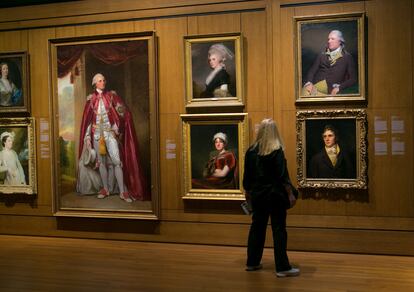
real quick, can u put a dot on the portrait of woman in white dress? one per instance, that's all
(11, 170)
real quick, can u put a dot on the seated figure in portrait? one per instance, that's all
(333, 71)
(220, 171)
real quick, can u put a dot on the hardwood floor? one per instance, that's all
(62, 264)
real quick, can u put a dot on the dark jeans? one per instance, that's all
(263, 207)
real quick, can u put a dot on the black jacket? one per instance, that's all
(322, 167)
(265, 174)
(222, 77)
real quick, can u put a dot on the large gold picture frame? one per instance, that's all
(128, 64)
(201, 156)
(14, 87)
(214, 70)
(17, 156)
(314, 166)
(334, 76)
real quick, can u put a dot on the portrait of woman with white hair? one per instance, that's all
(211, 68)
(218, 80)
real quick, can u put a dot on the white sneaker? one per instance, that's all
(293, 272)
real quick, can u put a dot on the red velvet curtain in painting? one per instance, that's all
(109, 53)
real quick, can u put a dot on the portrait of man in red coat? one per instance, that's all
(108, 148)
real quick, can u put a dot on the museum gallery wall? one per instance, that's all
(185, 94)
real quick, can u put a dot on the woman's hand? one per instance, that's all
(291, 197)
(221, 172)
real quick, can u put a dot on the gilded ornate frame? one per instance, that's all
(18, 63)
(309, 127)
(200, 129)
(25, 148)
(137, 80)
(311, 33)
(197, 69)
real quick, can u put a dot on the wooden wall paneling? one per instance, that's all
(52, 16)
(309, 239)
(301, 2)
(362, 222)
(400, 189)
(144, 25)
(319, 9)
(12, 41)
(254, 121)
(288, 132)
(285, 95)
(411, 132)
(171, 170)
(378, 160)
(171, 34)
(41, 105)
(93, 11)
(192, 25)
(65, 31)
(390, 54)
(349, 240)
(219, 23)
(104, 28)
(390, 175)
(257, 62)
(178, 215)
(22, 205)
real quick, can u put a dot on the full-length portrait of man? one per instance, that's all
(108, 157)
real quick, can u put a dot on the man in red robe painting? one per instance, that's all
(108, 157)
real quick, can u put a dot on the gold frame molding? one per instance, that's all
(202, 42)
(147, 209)
(317, 30)
(239, 120)
(345, 117)
(29, 125)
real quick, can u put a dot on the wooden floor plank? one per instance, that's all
(63, 264)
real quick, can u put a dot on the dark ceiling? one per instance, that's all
(17, 3)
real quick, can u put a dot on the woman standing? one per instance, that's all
(266, 180)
